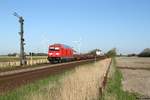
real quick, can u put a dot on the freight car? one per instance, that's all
(60, 53)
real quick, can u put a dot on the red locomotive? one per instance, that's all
(60, 53)
(63, 53)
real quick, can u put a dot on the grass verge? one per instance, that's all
(19, 93)
(113, 90)
(42, 86)
(22, 92)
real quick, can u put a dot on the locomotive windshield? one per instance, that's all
(54, 49)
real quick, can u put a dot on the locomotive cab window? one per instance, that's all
(54, 49)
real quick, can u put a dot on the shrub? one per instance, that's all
(145, 53)
(111, 53)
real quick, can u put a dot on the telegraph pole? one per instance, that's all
(22, 53)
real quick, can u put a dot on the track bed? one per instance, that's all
(16, 78)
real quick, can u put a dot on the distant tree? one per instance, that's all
(132, 54)
(120, 55)
(12, 54)
(111, 53)
(145, 53)
(37, 54)
(31, 53)
(41, 54)
(93, 52)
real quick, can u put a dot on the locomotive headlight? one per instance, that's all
(50, 53)
(57, 54)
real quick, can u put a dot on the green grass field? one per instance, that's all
(13, 58)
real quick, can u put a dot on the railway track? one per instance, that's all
(12, 79)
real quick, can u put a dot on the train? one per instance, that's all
(58, 53)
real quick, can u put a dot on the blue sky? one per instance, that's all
(104, 24)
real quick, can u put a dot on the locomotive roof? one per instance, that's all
(58, 44)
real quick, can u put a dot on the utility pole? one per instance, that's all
(22, 53)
